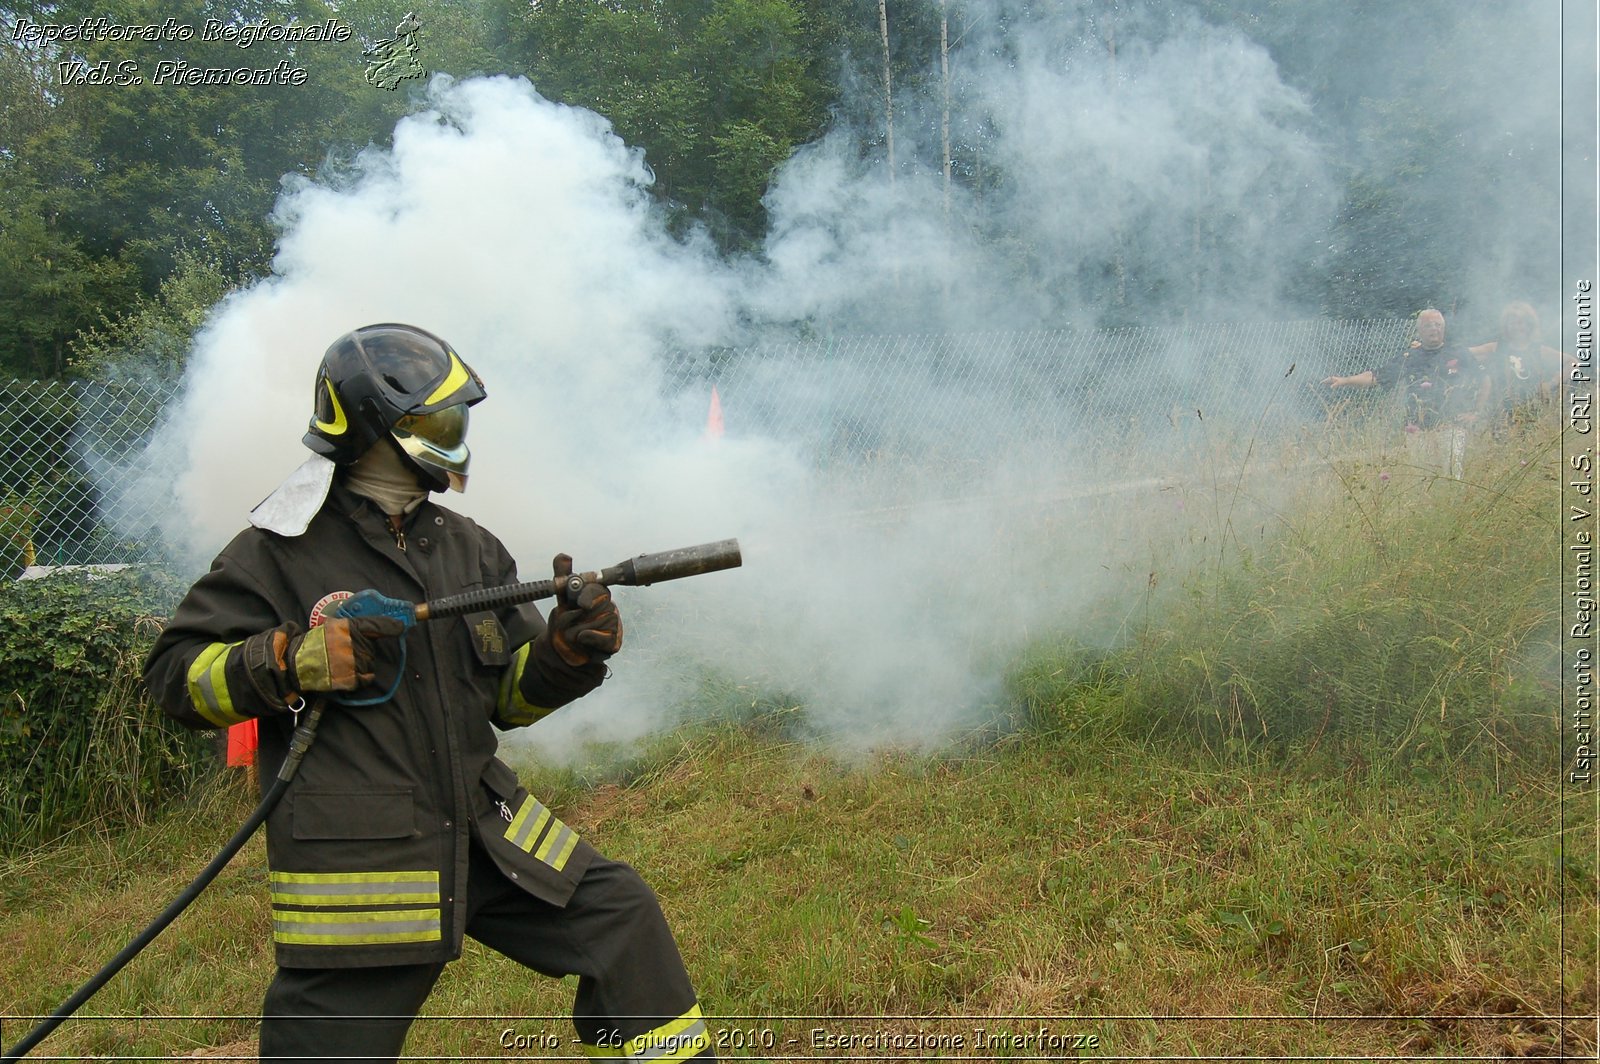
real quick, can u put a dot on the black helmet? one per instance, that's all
(401, 382)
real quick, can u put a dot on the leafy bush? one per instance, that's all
(79, 738)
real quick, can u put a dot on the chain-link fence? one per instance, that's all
(929, 398)
(961, 394)
(59, 442)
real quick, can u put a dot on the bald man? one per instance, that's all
(1442, 383)
(1441, 380)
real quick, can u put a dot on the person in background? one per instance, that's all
(1522, 376)
(403, 833)
(1440, 385)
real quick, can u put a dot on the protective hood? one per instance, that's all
(289, 509)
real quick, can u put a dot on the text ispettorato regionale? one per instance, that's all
(244, 34)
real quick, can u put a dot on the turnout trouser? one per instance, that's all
(634, 997)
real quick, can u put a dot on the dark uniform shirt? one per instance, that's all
(1523, 377)
(369, 847)
(1436, 385)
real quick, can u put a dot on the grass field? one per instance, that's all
(1041, 877)
(1312, 807)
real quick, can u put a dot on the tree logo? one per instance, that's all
(394, 59)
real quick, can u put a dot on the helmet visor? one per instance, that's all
(437, 441)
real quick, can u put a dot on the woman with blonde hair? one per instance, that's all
(1522, 376)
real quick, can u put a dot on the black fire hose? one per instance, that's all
(643, 570)
(304, 733)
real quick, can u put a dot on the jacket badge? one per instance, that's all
(319, 612)
(491, 639)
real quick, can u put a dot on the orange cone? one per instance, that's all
(714, 417)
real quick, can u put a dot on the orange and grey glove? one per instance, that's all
(585, 629)
(338, 655)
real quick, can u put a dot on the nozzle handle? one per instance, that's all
(641, 571)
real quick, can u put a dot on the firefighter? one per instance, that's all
(402, 831)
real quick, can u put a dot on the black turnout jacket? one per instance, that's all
(368, 849)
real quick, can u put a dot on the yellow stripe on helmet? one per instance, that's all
(339, 423)
(457, 376)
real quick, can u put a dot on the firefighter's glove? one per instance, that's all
(586, 629)
(338, 655)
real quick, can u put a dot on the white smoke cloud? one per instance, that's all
(888, 598)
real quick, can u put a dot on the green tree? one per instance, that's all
(174, 163)
(717, 92)
(50, 287)
(458, 39)
(107, 187)
(51, 283)
(154, 334)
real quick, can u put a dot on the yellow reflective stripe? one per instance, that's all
(456, 378)
(526, 825)
(514, 709)
(355, 888)
(680, 1039)
(524, 830)
(208, 686)
(339, 424)
(557, 845)
(355, 928)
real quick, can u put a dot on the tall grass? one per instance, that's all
(1391, 616)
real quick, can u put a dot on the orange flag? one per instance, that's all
(714, 417)
(242, 744)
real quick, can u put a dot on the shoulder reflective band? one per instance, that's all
(355, 888)
(208, 686)
(514, 709)
(523, 831)
(354, 928)
(681, 1039)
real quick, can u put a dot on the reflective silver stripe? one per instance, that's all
(557, 846)
(355, 928)
(514, 709)
(524, 830)
(527, 824)
(208, 686)
(355, 888)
